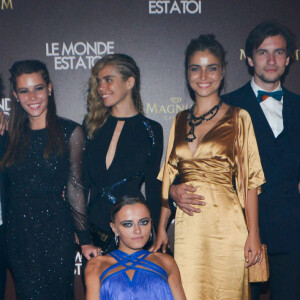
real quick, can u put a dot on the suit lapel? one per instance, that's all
(287, 111)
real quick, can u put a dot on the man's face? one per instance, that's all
(269, 61)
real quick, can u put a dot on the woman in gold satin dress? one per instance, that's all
(212, 247)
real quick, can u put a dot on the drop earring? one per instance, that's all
(150, 237)
(117, 240)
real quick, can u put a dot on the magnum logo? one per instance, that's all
(6, 4)
(243, 54)
(297, 54)
(168, 111)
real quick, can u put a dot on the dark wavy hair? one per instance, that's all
(267, 29)
(125, 200)
(202, 43)
(19, 124)
(97, 112)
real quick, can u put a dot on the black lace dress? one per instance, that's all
(40, 224)
(136, 161)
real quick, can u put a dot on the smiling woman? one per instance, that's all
(212, 243)
(124, 147)
(43, 156)
(131, 272)
(32, 93)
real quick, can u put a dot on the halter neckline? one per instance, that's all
(136, 261)
(134, 254)
(134, 277)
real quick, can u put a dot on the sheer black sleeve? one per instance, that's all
(75, 190)
(152, 184)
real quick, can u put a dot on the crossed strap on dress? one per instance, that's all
(136, 261)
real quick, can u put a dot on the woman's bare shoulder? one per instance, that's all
(164, 260)
(98, 264)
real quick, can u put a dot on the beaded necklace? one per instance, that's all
(196, 121)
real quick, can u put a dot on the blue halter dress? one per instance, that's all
(149, 279)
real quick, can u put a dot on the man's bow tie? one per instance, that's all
(263, 95)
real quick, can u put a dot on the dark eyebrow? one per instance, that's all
(108, 76)
(26, 88)
(146, 218)
(263, 49)
(212, 65)
(105, 77)
(126, 221)
(195, 65)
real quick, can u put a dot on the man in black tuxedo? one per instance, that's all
(275, 113)
(2, 233)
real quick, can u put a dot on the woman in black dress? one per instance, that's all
(44, 154)
(124, 147)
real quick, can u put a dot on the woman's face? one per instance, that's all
(112, 88)
(133, 226)
(205, 73)
(32, 93)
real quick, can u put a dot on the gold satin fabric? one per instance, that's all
(209, 246)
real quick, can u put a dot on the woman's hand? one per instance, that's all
(253, 245)
(162, 237)
(162, 241)
(90, 251)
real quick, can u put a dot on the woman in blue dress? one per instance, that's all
(131, 272)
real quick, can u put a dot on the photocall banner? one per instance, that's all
(70, 36)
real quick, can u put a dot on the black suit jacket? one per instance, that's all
(279, 202)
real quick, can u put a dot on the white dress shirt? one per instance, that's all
(272, 109)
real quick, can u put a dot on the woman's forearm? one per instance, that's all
(252, 211)
(165, 214)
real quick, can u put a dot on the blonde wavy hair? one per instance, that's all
(97, 112)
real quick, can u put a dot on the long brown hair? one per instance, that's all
(19, 124)
(202, 43)
(97, 112)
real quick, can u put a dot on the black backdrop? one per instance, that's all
(70, 35)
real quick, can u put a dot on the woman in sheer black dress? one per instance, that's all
(44, 154)
(124, 147)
